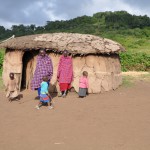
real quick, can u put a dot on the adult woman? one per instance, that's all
(65, 73)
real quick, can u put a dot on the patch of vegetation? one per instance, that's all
(145, 77)
(131, 79)
(1, 83)
(1, 60)
(127, 81)
(131, 31)
(135, 61)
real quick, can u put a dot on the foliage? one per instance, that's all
(1, 61)
(135, 61)
(98, 24)
(132, 31)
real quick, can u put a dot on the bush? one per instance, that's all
(135, 61)
(1, 62)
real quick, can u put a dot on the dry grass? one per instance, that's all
(1, 83)
(129, 78)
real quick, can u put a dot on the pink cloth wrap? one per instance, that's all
(65, 70)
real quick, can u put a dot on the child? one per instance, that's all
(12, 88)
(44, 95)
(83, 85)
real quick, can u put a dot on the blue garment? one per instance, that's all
(39, 89)
(44, 98)
(44, 88)
(44, 92)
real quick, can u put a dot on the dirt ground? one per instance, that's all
(115, 120)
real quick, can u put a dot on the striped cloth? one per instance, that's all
(65, 70)
(44, 67)
(44, 98)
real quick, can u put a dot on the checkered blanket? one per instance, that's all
(44, 67)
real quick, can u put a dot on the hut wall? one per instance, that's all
(12, 63)
(104, 72)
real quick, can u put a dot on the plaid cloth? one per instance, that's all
(44, 67)
(65, 70)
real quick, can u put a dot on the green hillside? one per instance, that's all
(132, 31)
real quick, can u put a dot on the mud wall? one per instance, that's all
(104, 71)
(12, 63)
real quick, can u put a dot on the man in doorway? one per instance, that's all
(44, 68)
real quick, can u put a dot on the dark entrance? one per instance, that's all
(27, 70)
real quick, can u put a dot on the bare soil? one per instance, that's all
(135, 73)
(115, 120)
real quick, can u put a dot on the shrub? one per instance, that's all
(135, 61)
(1, 62)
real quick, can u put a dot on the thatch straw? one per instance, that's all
(57, 42)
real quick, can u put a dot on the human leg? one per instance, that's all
(39, 105)
(50, 105)
(64, 87)
(64, 94)
(60, 94)
(39, 91)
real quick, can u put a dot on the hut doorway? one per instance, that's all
(27, 70)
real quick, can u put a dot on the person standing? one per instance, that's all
(44, 68)
(65, 73)
(83, 85)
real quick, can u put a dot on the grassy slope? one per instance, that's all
(137, 44)
(2, 52)
(136, 41)
(129, 80)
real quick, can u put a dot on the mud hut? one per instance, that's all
(98, 56)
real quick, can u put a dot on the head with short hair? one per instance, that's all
(11, 75)
(45, 78)
(85, 73)
(65, 53)
(42, 52)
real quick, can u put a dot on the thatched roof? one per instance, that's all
(73, 42)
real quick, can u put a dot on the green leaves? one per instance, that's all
(133, 32)
(1, 62)
(135, 61)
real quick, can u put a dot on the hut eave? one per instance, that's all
(57, 42)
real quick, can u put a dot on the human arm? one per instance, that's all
(72, 76)
(50, 68)
(59, 68)
(17, 85)
(49, 95)
(87, 83)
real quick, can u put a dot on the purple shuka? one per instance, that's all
(44, 67)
